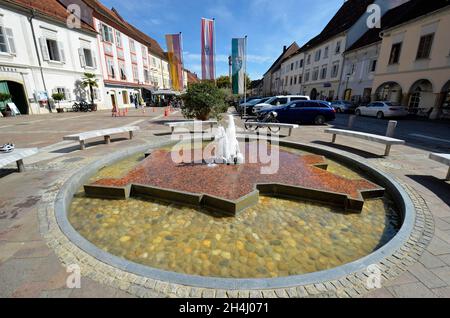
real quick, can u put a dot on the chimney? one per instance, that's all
(284, 49)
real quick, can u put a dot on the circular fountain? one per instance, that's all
(246, 225)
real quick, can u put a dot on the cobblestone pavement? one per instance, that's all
(33, 251)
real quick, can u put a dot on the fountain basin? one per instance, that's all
(402, 202)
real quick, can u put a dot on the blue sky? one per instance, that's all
(269, 24)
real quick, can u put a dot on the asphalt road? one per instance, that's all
(425, 134)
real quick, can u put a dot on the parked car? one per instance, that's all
(302, 112)
(278, 101)
(343, 106)
(249, 105)
(382, 110)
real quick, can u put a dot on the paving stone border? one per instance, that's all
(391, 265)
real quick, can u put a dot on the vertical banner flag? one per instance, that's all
(238, 65)
(208, 63)
(175, 53)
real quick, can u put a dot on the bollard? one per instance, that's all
(391, 128)
(351, 121)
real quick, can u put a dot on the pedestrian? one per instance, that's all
(136, 101)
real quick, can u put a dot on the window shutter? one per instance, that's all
(10, 36)
(67, 94)
(61, 52)
(82, 57)
(44, 49)
(94, 61)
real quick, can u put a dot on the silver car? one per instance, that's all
(382, 110)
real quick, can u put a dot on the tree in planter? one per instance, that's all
(89, 80)
(4, 97)
(203, 101)
(58, 97)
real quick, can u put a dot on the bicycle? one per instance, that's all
(81, 107)
(269, 118)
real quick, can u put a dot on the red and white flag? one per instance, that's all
(208, 50)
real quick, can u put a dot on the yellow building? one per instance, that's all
(414, 62)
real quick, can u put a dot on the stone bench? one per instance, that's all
(17, 156)
(106, 133)
(258, 125)
(191, 124)
(444, 159)
(388, 141)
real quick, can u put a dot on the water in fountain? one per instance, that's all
(227, 145)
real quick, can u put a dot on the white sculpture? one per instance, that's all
(227, 145)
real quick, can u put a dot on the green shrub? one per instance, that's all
(203, 101)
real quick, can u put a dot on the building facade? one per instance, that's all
(40, 56)
(414, 62)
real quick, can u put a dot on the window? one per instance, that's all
(135, 73)
(292, 66)
(352, 69)
(110, 67)
(7, 44)
(107, 33)
(426, 42)
(295, 80)
(307, 76)
(325, 55)
(323, 73)
(291, 81)
(318, 54)
(87, 58)
(123, 74)
(315, 75)
(338, 47)
(118, 39)
(301, 63)
(373, 66)
(296, 65)
(299, 79)
(395, 53)
(308, 59)
(335, 70)
(64, 91)
(132, 46)
(146, 75)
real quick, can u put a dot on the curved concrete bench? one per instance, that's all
(191, 124)
(388, 141)
(272, 125)
(107, 133)
(17, 156)
(442, 158)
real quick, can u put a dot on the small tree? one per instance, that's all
(203, 101)
(3, 98)
(58, 97)
(89, 80)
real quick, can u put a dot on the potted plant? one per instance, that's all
(4, 97)
(90, 80)
(203, 101)
(58, 97)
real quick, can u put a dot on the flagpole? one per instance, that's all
(182, 64)
(245, 76)
(214, 57)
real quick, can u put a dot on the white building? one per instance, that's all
(40, 55)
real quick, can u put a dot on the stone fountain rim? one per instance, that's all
(400, 196)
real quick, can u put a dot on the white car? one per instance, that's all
(382, 110)
(278, 101)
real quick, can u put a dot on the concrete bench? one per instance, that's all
(388, 141)
(444, 159)
(107, 133)
(17, 156)
(258, 125)
(191, 124)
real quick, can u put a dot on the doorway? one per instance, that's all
(18, 95)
